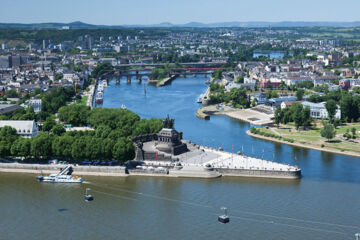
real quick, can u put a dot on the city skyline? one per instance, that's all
(159, 11)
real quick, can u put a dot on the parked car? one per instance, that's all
(85, 162)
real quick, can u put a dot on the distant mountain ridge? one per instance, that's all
(252, 24)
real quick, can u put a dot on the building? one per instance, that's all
(25, 129)
(112, 61)
(260, 97)
(4, 62)
(286, 104)
(15, 61)
(318, 110)
(344, 84)
(8, 108)
(35, 104)
(275, 102)
(2, 91)
(4, 46)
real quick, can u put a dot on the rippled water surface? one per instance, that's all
(322, 205)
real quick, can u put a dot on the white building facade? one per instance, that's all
(318, 110)
(25, 129)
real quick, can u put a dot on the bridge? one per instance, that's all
(191, 64)
(139, 73)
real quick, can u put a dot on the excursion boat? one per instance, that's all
(104, 83)
(123, 107)
(100, 87)
(200, 98)
(99, 98)
(64, 176)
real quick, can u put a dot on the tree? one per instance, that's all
(296, 109)
(58, 129)
(78, 149)
(29, 115)
(123, 150)
(353, 130)
(331, 108)
(240, 79)
(8, 136)
(300, 94)
(21, 147)
(74, 114)
(306, 115)
(41, 146)
(101, 69)
(48, 124)
(62, 146)
(271, 94)
(328, 132)
(277, 116)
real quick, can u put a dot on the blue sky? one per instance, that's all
(117, 12)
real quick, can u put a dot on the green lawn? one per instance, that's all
(313, 137)
(83, 100)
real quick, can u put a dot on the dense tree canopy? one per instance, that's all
(109, 141)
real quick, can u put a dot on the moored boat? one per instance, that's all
(99, 98)
(64, 176)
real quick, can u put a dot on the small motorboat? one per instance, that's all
(64, 176)
(224, 218)
(88, 197)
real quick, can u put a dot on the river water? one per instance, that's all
(322, 205)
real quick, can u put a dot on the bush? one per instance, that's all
(322, 145)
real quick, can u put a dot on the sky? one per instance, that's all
(126, 12)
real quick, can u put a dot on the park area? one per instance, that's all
(344, 142)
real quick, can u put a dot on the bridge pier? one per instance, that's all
(138, 77)
(118, 79)
(205, 75)
(128, 79)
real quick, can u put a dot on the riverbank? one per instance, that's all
(90, 95)
(310, 145)
(113, 171)
(247, 115)
(109, 171)
(165, 81)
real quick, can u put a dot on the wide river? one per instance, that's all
(322, 205)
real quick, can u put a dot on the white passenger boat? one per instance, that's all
(104, 83)
(201, 97)
(64, 176)
(99, 98)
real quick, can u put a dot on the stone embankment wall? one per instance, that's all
(259, 173)
(55, 168)
(145, 138)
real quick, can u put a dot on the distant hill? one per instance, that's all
(81, 25)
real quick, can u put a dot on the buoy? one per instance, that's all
(88, 197)
(224, 218)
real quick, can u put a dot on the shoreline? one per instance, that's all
(353, 154)
(245, 115)
(194, 171)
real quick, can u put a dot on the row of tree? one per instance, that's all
(236, 96)
(109, 141)
(295, 113)
(72, 148)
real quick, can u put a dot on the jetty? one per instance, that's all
(166, 81)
